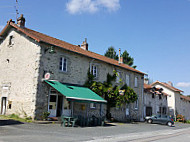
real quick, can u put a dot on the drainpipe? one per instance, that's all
(142, 99)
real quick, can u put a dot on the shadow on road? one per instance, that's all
(9, 122)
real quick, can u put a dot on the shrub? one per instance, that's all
(180, 118)
(45, 115)
(188, 121)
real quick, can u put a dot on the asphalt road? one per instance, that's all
(30, 132)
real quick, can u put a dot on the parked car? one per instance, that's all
(162, 119)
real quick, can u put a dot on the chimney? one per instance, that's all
(119, 55)
(170, 83)
(84, 44)
(21, 21)
(121, 60)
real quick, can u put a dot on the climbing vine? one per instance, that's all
(110, 92)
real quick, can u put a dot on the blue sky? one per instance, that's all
(155, 32)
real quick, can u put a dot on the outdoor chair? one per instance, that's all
(64, 121)
(73, 121)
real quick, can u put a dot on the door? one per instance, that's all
(3, 105)
(148, 111)
(53, 105)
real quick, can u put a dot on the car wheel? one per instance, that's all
(149, 121)
(169, 124)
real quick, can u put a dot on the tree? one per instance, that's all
(128, 97)
(111, 53)
(127, 59)
(110, 92)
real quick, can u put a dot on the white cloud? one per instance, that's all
(183, 84)
(91, 6)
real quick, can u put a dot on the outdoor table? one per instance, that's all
(69, 120)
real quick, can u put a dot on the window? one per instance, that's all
(63, 64)
(127, 79)
(92, 105)
(136, 81)
(10, 40)
(94, 70)
(164, 110)
(152, 95)
(118, 77)
(160, 96)
(136, 104)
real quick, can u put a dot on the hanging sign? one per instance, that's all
(47, 76)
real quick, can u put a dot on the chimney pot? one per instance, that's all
(119, 55)
(170, 83)
(21, 21)
(84, 44)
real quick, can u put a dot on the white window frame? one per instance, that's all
(94, 70)
(127, 79)
(136, 81)
(137, 104)
(92, 105)
(62, 62)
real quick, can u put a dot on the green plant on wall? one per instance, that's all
(128, 97)
(110, 92)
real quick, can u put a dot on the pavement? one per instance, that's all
(30, 132)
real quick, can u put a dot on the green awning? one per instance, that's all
(77, 93)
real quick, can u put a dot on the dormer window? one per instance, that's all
(63, 64)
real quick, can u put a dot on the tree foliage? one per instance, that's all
(129, 96)
(127, 59)
(110, 92)
(111, 53)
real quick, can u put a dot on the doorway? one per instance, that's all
(52, 108)
(3, 105)
(148, 111)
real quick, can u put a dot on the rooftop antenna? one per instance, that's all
(16, 8)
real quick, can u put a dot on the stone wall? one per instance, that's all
(155, 102)
(77, 68)
(19, 66)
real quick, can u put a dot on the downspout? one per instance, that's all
(142, 115)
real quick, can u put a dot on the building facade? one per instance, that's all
(155, 101)
(26, 56)
(177, 103)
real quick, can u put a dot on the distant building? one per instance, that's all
(155, 101)
(177, 103)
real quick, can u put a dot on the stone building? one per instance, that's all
(177, 103)
(155, 101)
(26, 56)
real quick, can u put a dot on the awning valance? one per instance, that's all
(76, 93)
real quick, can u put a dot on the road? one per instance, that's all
(30, 132)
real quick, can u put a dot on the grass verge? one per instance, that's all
(16, 117)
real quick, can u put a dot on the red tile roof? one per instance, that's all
(39, 37)
(167, 85)
(185, 97)
(146, 86)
